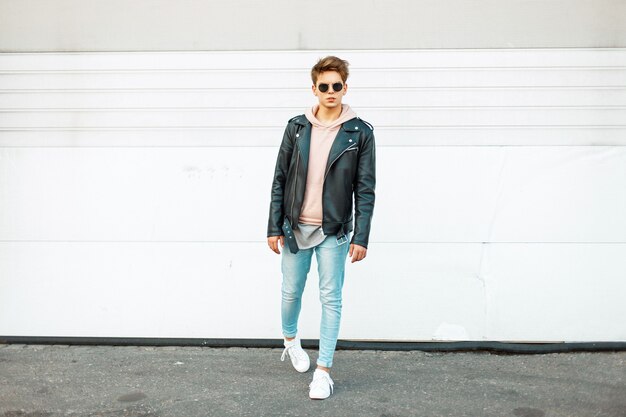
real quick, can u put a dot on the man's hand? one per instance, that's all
(272, 241)
(357, 252)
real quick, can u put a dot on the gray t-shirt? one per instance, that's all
(308, 235)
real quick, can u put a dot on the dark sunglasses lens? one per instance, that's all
(337, 86)
(323, 87)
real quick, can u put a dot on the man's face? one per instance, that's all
(330, 98)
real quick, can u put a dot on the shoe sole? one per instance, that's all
(318, 398)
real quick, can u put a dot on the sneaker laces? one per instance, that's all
(298, 353)
(323, 379)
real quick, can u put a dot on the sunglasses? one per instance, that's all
(324, 87)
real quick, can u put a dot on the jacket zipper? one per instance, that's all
(295, 181)
(333, 161)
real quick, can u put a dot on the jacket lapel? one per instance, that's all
(346, 137)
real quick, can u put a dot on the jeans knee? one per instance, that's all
(291, 294)
(330, 299)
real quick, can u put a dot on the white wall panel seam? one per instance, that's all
(377, 242)
(305, 70)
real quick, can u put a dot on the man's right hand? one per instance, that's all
(272, 241)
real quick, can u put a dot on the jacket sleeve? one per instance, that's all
(276, 215)
(364, 186)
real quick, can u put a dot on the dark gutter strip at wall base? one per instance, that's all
(493, 346)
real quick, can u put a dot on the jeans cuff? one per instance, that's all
(324, 364)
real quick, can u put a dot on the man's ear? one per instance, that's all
(345, 88)
(314, 89)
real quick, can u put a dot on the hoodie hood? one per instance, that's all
(346, 114)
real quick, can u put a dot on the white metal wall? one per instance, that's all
(134, 191)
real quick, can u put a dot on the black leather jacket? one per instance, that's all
(351, 168)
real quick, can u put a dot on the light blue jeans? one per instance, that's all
(331, 257)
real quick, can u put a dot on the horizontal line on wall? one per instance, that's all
(275, 146)
(518, 347)
(235, 242)
(296, 108)
(310, 54)
(275, 127)
(305, 70)
(272, 89)
(313, 51)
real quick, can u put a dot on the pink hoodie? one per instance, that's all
(322, 138)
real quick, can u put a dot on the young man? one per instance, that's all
(326, 157)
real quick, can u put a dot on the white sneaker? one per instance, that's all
(299, 358)
(322, 385)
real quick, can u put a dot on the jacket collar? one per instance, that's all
(351, 125)
(301, 120)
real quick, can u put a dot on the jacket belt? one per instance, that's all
(289, 237)
(342, 234)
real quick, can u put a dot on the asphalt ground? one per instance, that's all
(78, 380)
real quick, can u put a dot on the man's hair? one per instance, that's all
(330, 63)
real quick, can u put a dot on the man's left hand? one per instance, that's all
(357, 252)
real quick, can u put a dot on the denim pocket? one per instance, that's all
(341, 240)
